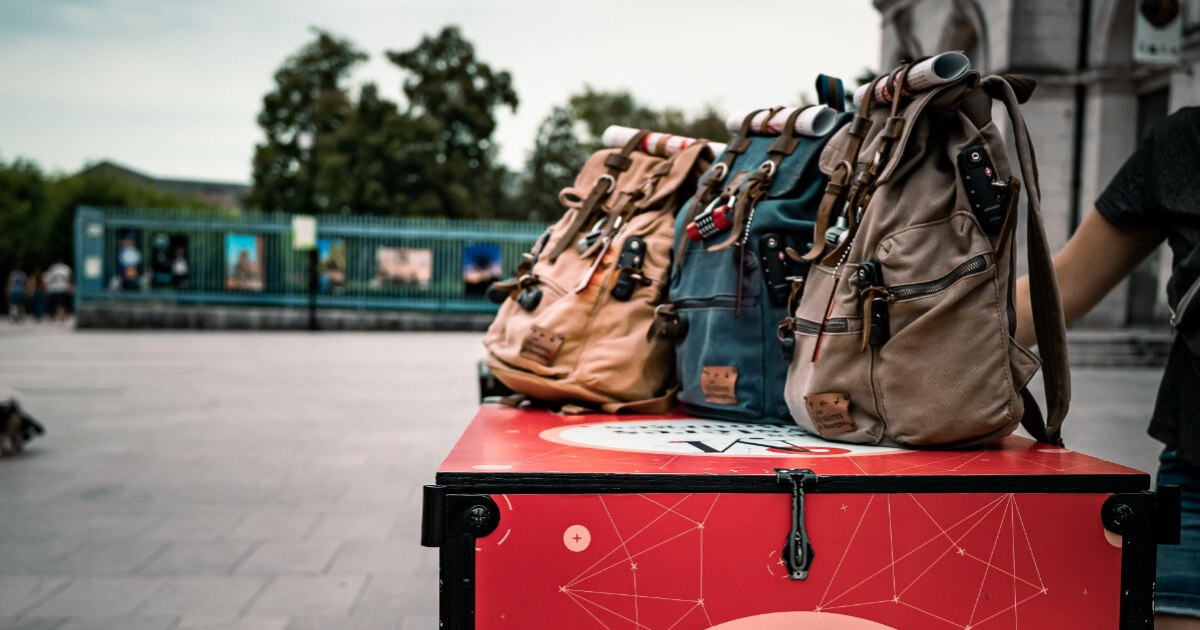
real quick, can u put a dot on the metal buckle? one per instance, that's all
(612, 182)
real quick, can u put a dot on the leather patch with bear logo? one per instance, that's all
(719, 384)
(830, 413)
(541, 345)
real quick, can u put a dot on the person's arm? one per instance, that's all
(1097, 257)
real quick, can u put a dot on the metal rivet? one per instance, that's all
(1121, 514)
(478, 515)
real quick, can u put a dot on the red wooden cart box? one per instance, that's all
(672, 523)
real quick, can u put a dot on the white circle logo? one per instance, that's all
(705, 437)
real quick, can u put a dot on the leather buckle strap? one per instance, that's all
(604, 186)
(707, 188)
(757, 184)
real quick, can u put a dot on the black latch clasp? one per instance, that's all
(797, 550)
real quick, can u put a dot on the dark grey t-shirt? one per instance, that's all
(1159, 186)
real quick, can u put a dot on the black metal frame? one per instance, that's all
(459, 509)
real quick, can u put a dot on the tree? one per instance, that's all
(297, 168)
(556, 157)
(597, 110)
(452, 98)
(37, 211)
(709, 123)
(572, 132)
(24, 214)
(362, 169)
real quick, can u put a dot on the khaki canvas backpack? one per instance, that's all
(903, 326)
(576, 327)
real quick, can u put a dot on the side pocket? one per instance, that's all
(507, 337)
(945, 376)
(840, 375)
(719, 358)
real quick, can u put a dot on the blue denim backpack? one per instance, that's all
(730, 288)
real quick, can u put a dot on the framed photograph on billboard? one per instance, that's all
(243, 262)
(129, 260)
(403, 267)
(481, 267)
(169, 265)
(331, 264)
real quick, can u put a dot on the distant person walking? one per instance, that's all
(58, 285)
(16, 294)
(35, 295)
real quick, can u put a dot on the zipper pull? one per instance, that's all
(875, 297)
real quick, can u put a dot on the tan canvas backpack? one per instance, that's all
(903, 326)
(576, 326)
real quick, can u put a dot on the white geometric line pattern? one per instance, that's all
(669, 526)
(987, 554)
(956, 549)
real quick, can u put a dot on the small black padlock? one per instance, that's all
(633, 256)
(529, 298)
(776, 268)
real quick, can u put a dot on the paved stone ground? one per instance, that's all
(272, 481)
(222, 480)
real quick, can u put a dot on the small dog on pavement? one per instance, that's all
(16, 427)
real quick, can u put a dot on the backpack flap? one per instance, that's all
(676, 177)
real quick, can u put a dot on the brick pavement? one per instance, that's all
(250, 481)
(272, 481)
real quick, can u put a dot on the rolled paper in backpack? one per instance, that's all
(816, 121)
(655, 143)
(935, 71)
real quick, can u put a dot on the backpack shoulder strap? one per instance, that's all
(1048, 321)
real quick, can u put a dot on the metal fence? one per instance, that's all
(363, 262)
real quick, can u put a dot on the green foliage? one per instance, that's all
(557, 155)
(572, 132)
(327, 151)
(24, 214)
(37, 211)
(452, 100)
(298, 167)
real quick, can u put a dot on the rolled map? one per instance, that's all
(655, 143)
(814, 122)
(936, 70)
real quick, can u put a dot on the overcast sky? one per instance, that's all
(172, 88)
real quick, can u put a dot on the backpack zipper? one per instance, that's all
(832, 325)
(716, 302)
(976, 265)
